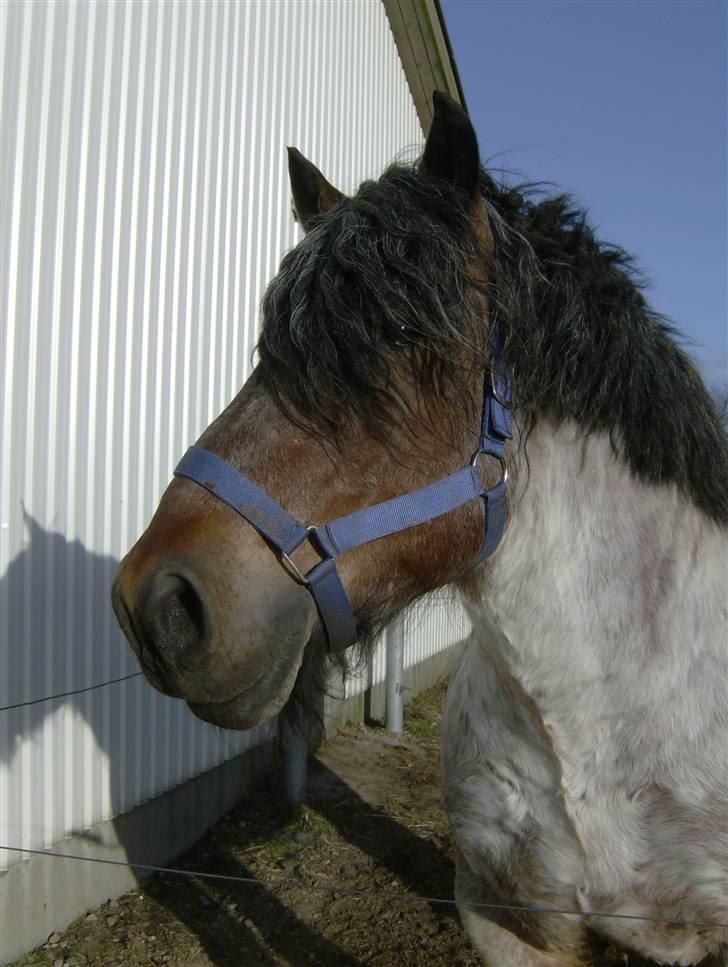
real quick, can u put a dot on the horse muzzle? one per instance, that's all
(226, 634)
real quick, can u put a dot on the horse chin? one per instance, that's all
(257, 703)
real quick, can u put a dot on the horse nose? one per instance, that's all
(173, 620)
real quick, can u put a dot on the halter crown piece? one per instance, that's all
(334, 538)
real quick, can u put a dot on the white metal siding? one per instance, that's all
(144, 206)
(433, 625)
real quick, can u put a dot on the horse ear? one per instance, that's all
(451, 150)
(312, 193)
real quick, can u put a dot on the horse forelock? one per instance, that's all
(377, 297)
(377, 290)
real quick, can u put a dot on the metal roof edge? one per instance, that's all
(421, 36)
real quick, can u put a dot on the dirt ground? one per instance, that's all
(374, 822)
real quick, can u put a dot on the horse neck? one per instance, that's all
(600, 579)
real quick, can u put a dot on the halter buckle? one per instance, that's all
(289, 564)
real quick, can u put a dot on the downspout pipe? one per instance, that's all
(394, 714)
(294, 739)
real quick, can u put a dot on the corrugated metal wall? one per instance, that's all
(432, 626)
(144, 205)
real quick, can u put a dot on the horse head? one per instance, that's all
(372, 357)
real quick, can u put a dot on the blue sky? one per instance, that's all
(622, 103)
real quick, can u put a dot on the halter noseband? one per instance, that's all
(337, 536)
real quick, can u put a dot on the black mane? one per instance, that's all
(380, 282)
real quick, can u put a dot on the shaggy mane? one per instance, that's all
(381, 282)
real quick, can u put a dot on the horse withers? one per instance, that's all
(584, 736)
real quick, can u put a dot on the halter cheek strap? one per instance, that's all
(334, 538)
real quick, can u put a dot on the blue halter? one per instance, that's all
(337, 536)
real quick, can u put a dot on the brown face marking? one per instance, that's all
(317, 482)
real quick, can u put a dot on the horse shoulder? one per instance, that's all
(502, 787)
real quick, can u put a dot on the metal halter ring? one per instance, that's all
(291, 567)
(501, 460)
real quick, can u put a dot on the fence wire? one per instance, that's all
(340, 890)
(75, 691)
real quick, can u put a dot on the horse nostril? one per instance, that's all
(174, 618)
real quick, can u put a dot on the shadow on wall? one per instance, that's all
(61, 638)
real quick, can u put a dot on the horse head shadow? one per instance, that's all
(60, 639)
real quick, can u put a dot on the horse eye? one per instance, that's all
(402, 337)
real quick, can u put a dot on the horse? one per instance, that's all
(585, 529)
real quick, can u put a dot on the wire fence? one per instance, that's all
(340, 890)
(74, 691)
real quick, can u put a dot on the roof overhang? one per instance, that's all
(424, 48)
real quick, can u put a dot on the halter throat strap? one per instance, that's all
(285, 533)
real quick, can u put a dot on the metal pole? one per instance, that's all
(294, 737)
(395, 675)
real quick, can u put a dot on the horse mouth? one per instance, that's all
(232, 714)
(258, 702)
